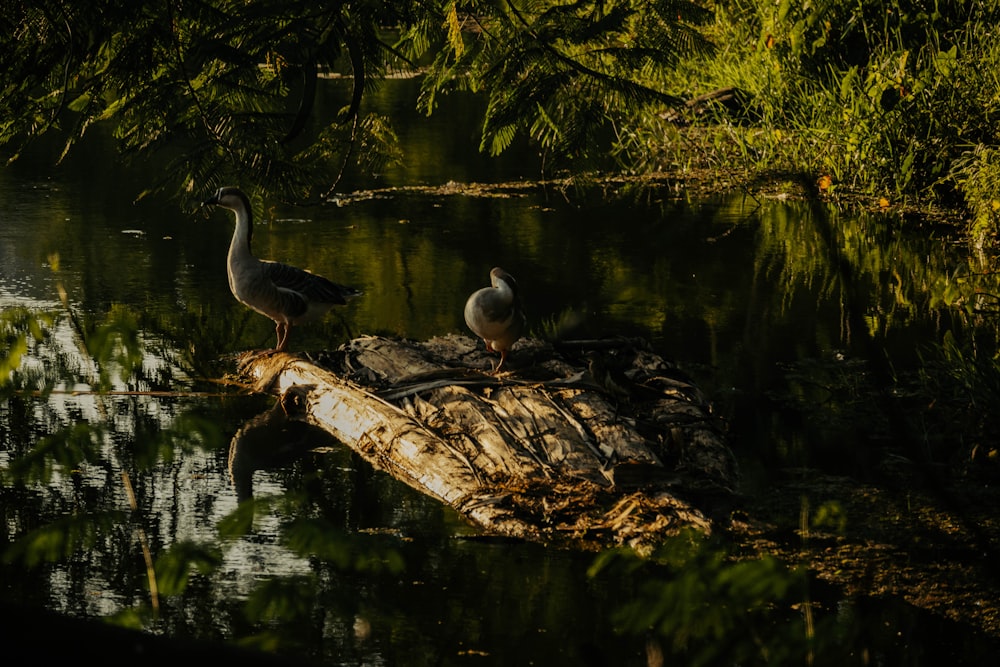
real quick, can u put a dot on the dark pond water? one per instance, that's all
(340, 563)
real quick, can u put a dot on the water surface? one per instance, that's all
(342, 563)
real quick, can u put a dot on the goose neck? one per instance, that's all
(243, 234)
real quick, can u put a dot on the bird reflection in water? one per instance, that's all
(271, 440)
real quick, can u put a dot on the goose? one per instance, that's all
(494, 314)
(286, 294)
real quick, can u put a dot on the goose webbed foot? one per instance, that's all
(499, 366)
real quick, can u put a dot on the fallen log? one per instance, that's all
(595, 442)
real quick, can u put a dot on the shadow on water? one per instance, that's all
(120, 435)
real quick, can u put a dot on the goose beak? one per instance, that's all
(211, 201)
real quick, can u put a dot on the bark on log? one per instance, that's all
(598, 442)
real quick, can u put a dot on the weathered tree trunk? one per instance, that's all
(600, 442)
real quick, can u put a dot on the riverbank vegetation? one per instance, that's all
(893, 99)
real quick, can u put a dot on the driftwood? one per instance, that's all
(598, 442)
(734, 102)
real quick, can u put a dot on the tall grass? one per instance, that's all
(896, 99)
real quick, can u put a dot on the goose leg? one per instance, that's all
(281, 329)
(503, 358)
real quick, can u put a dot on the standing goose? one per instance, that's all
(494, 314)
(286, 294)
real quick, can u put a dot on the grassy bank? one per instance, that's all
(896, 100)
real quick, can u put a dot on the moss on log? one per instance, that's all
(593, 442)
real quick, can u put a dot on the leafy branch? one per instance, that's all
(562, 75)
(227, 91)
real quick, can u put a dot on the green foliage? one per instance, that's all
(61, 538)
(830, 516)
(285, 603)
(64, 452)
(947, 402)
(18, 328)
(187, 432)
(70, 470)
(114, 344)
(285, 599)
(709, 606)
(318, 538)
(955, 393)
(224, 91)
(885, 98)
(239, 522)
(977, 173)
(563, 74)
(174, 566)
(974, 373)
(889, 98)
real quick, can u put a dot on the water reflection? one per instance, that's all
(256, 536)
(272, 439)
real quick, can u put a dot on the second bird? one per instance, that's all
(286, 294)
(494, 314)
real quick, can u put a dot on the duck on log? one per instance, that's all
(597, 443)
